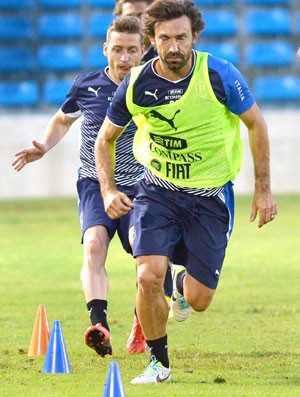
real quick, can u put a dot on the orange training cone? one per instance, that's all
(40, 335)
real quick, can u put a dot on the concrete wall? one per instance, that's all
(55, 175)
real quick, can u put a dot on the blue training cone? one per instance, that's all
(57, 360)
(114, 385)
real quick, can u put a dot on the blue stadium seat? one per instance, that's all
(98, 24)
(60, 57)
(268, 22)
(55, 4)
(228, 51)
(102, 3)
(219, 23)
(15, 27)
(16, 59)
(271, 54)
(267, 2)
(213, 3)
(298, 22)
(277, 89)
(54, 91)
(16, 4)
(21, 93)
(96, 58)
(60, 26)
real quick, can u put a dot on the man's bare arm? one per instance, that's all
(56, 129)
(263, 202)
(116, 203)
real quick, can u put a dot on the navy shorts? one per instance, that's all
(191, 230)
(91, 212)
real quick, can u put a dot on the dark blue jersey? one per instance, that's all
(227, 83)
(150, 53)
(90, 95)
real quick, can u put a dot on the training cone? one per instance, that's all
(40, 335)
(57, 360)
(114, 385)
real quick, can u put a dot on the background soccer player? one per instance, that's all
(136, 8)
(89, 96)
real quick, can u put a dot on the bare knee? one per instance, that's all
(148, 281)
(95, 247)
(150, 275)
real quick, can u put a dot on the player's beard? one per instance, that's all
(181, 60)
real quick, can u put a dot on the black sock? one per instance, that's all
(159, 349)
(179, 281)
(97, 309)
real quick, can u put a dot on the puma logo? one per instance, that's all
(152, 93)
(91, 89)
(159, 116)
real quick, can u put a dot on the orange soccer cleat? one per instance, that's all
(136, 342)
(97, 337)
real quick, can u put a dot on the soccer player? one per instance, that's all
(89, 96)
(187, 105)
(136, 8)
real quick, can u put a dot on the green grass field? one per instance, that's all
(246, 344)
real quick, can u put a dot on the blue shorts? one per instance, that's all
(191, 230)
(91, 212)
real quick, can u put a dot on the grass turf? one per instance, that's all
(245, 344)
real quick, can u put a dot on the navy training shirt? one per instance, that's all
(90, 96)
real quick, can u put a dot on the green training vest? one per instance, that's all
(193, 142)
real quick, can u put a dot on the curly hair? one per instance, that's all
(165, 10)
